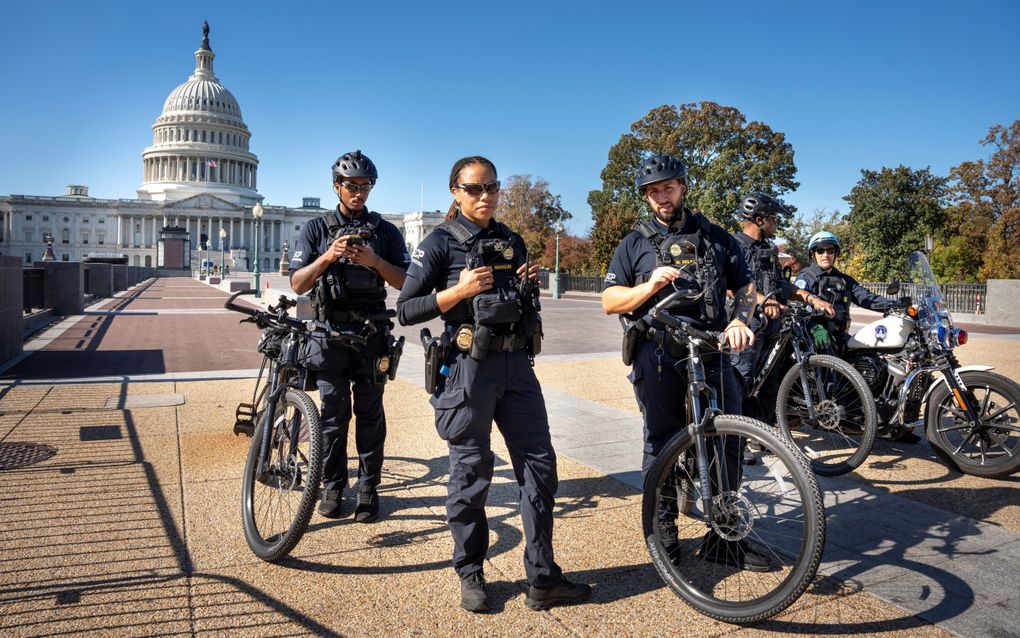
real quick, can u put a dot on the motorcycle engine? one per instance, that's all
(873, 369)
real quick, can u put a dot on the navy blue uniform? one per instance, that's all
(763, 261)
(337, 369)
(839, 289)
(500, 387)
(662, 395)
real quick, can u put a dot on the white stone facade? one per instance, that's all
(198, 174)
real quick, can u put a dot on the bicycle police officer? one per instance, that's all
(678, 249)
(469, 271)
(347, 256)
(759, 214)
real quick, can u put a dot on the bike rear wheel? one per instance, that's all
(991, 451)
(776, 510)
(842, 434)
(277, 502)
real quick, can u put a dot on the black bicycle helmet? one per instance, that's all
(354, 164)
(759, 205)
(658, 168)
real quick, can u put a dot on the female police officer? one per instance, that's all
(474, 264)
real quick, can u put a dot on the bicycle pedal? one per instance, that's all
(245, 427)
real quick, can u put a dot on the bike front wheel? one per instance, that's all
(281, 486)
(991, 450)
(772, 510)
(842, 432)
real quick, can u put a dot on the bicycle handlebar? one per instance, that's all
(659, 313)
(280, 317)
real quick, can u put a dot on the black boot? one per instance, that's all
(331, 504)
(562, 593)
(739, 554)
(472, 592)
(367, 509)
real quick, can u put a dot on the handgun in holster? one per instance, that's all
(633, 332)
(435, 357)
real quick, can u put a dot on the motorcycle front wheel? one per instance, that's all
(991, 450)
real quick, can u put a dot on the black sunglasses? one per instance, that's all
(476, 190)
(351, 187)
(827, 250)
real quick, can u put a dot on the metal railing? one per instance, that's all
(572, 283)
(33, 290)
(963, 298)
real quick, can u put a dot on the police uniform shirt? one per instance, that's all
(387, 241)
(809, 279)
(635, 259)
(436, 264)
(750, 247)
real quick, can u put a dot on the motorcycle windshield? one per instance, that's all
(924, 289)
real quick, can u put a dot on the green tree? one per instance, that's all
(726, 156)
(891, 211)
(983, 229)
(530, 210)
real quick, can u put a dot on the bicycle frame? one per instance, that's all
(792, 332)
(285, 364)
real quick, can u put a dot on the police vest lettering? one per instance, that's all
(345, 285)
(502, 304)
(694, 256)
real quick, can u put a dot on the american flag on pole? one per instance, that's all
(211, 163)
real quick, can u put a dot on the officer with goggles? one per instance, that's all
(759, 214)
(473, 272)
(345, 258)
(678, 249)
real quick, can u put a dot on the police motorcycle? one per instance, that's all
(971, 416)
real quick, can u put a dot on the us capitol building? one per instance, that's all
(199, 174)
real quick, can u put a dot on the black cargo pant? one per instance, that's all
(501, 387)
(342, 375)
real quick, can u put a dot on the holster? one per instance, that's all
(633, 332)
(535, 343)
(434, 359)
(396, 351)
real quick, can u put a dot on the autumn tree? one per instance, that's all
(797, 233)
(530, 210)
(891, 211)
(980, 238)
(726, 157)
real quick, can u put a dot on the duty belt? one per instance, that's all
(353, 316)
(507, 343)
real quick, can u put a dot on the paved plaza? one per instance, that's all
(120, 502)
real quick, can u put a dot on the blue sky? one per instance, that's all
(541, 88)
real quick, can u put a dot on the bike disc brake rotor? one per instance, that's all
(733, 517)
(828, 414)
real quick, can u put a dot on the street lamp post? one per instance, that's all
(223, 237)
(285, 260)
(558, 227)
(257, 212)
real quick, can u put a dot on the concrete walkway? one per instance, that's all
(119, 513)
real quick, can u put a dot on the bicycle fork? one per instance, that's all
(700, 417)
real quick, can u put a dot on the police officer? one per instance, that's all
(680, 249)
(823, 279)
(468, 272)
(759, 214)
(345, 258)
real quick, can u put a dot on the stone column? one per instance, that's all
(64, 283)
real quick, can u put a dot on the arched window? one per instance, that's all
(65, 236)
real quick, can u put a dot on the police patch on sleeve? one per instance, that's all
(416, 257)
(610, 278)
(800, 283)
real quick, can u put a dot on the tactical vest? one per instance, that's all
(763, 262)
(347, 286)
(833, 288)
(502, 304)
(694, 255)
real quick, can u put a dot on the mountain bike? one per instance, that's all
(703, 509)
(823, 405)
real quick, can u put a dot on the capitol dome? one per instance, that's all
(200, 141)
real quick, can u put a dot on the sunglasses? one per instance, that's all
(828, 250)
(351, 187)
(476, 190)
